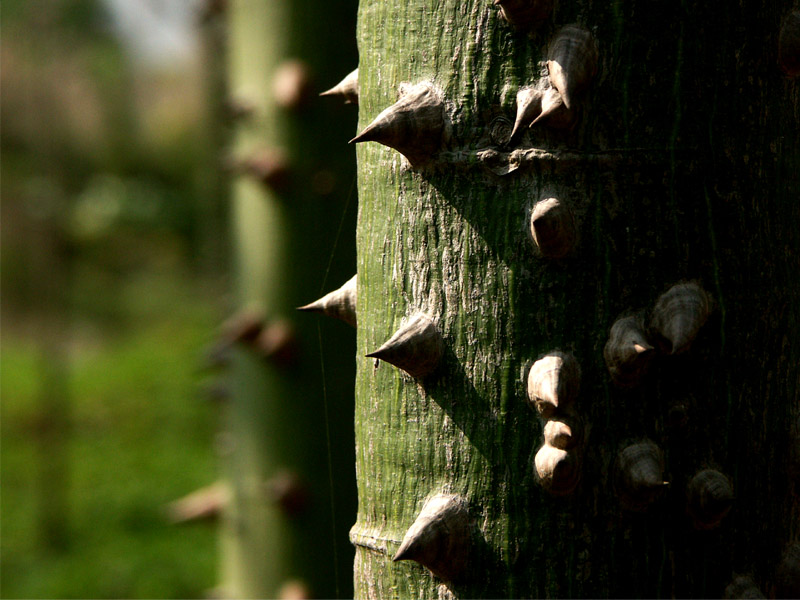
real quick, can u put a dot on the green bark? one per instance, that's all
(287, 252)
(683, 166)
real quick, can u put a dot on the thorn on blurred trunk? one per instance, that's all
(291, 85)
(288, 492)
(277, 342)
(269, 166)
(205, 504)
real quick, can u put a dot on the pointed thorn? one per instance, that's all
(554, 111)
(414, 125)
(638, 475)
(519, 126)
(553, 382)
(541, 117)
(278, 343)
(347, 88)
(514, 132)
(242, 327)
(439, 538)
(293, 589)
(402, 553)
(628, 352)
(291, 84)
(204, 504)
(546, 112)
(364, 136)
(339, 304)
(558, 471)
(289, 492)
(572, 62)
(417, 347)
(270, 166)
(529, 104)
(678, 315)
(377, 131)
(553, 228)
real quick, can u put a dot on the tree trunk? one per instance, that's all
(676, 164)
(288, 480)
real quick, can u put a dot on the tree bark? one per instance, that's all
(683, 166)
(292, 488)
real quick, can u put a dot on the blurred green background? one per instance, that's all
(113, 282)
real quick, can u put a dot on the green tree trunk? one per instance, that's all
(681, 166)
(290, 199)
(211, 182)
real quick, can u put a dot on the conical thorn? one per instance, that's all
(439, 538)
(554, 111)
(417, 347)
(414, 125)
(339, 304)
(347, 88)
(529, 106)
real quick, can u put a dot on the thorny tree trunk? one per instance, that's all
(289, 201)
(683, 166)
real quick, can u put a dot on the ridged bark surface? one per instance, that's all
(287, 253)
(683, 166)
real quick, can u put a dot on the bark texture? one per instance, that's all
(289, 201)
(683, 166)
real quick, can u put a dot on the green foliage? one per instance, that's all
(140, 438)
(100, 215)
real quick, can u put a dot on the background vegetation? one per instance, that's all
(113, 270)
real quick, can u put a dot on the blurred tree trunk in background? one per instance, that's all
(211, 183)
(292, 182)
(682, 165)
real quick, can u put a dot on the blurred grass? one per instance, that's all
(139, 437)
